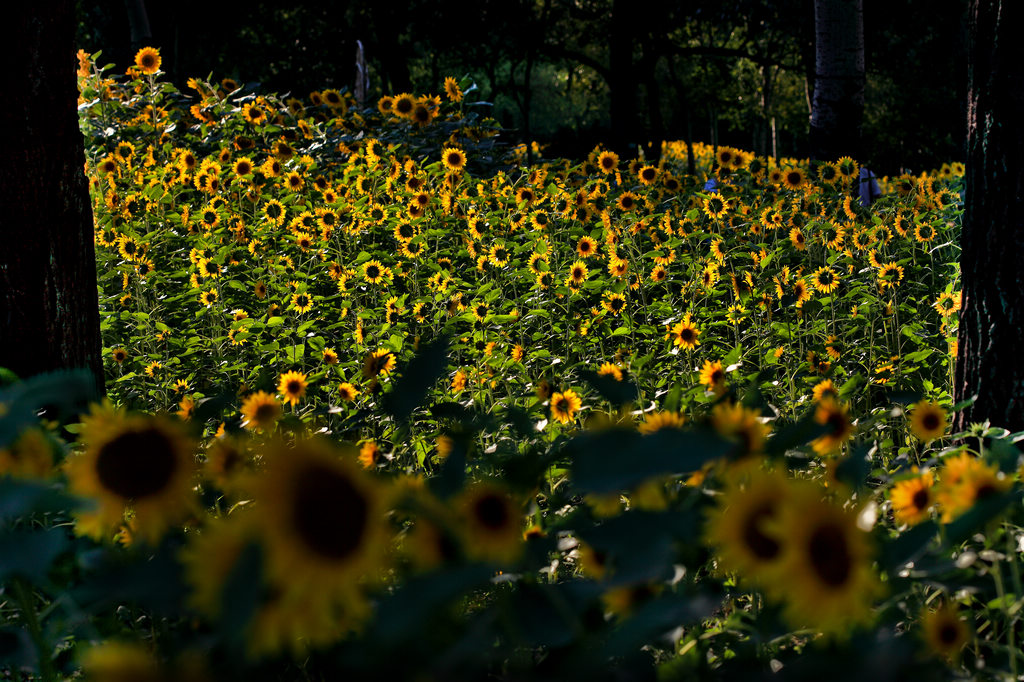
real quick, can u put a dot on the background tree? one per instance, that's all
(990, 363)
(837, 112)
(49, 310)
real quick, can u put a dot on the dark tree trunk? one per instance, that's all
(621, 78)
(837, 110)
(49, 312)
(138, 23)
(990, 363)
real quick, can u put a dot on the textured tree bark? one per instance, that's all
(990, 361)
(49, 310)
(837, 110)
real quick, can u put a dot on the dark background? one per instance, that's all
(561, 72)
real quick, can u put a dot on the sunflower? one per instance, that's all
(793, 178)
(208, 298)
(947, 303)
(132, 462)
(656, 421)
(147, 60)
(797, 238)
(375, 272)
(302, 302)
(741, 424)
(890, 275)
(292, 386)
(927, 420)
(825, 280)
(944, 632)
(614, 303)
(627, 201)
(586, 247)
(801, 292)
(966, 481)
(715, 206)
(348, 392)
(712, 375)
(823, 574)
(577, 274)
(454, 159)
(452, 89)
(684, 334)
(836, 418)
(565, 405)
(648, 175)
(491, 523)
(380, 361)
(608, 162)
(825, 389)
(912, 498)
(609, 369)
(260, 411)
(740, 527)
(260, 289)
(119, 355)
(115, 661)
(322, 521)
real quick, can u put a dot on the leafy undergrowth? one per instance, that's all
(386, 399)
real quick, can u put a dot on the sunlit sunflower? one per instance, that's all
(347, 392)
(565, 405)
(825, 389)
(648, 175)
(577, 273)
(912, 498)
(132, 462)
(292, 387)
(825, 280)
(836, 418)
(380, 361)
(947, 303)
(586, 247)
(302, 302)
(890, 275)
(491, 523)
(715, 206)
(627, 201)
(374, 272)
(614, 303)
(793, 178)
(797, 238)
(966, 481)
(684, 334)
(454, 159)
(609, 369)
(260, 411)
(608, 162)
(147, 60)
(712, 375)
(824, 575)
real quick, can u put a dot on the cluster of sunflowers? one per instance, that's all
(428, 400)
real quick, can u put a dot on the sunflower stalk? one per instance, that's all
(26, 604)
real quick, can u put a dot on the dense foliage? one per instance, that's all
(383, 398)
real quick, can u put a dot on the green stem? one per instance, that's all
(26, 603)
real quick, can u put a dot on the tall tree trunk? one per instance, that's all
(837, 111)
(621, 79)
(989, 362)
(49, 312)
(138, 23)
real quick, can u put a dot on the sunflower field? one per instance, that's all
(390, 398)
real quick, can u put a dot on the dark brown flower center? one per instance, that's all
(137, 464)
(763, 546)
(830, 555)
(492, 512)
(329, 513)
